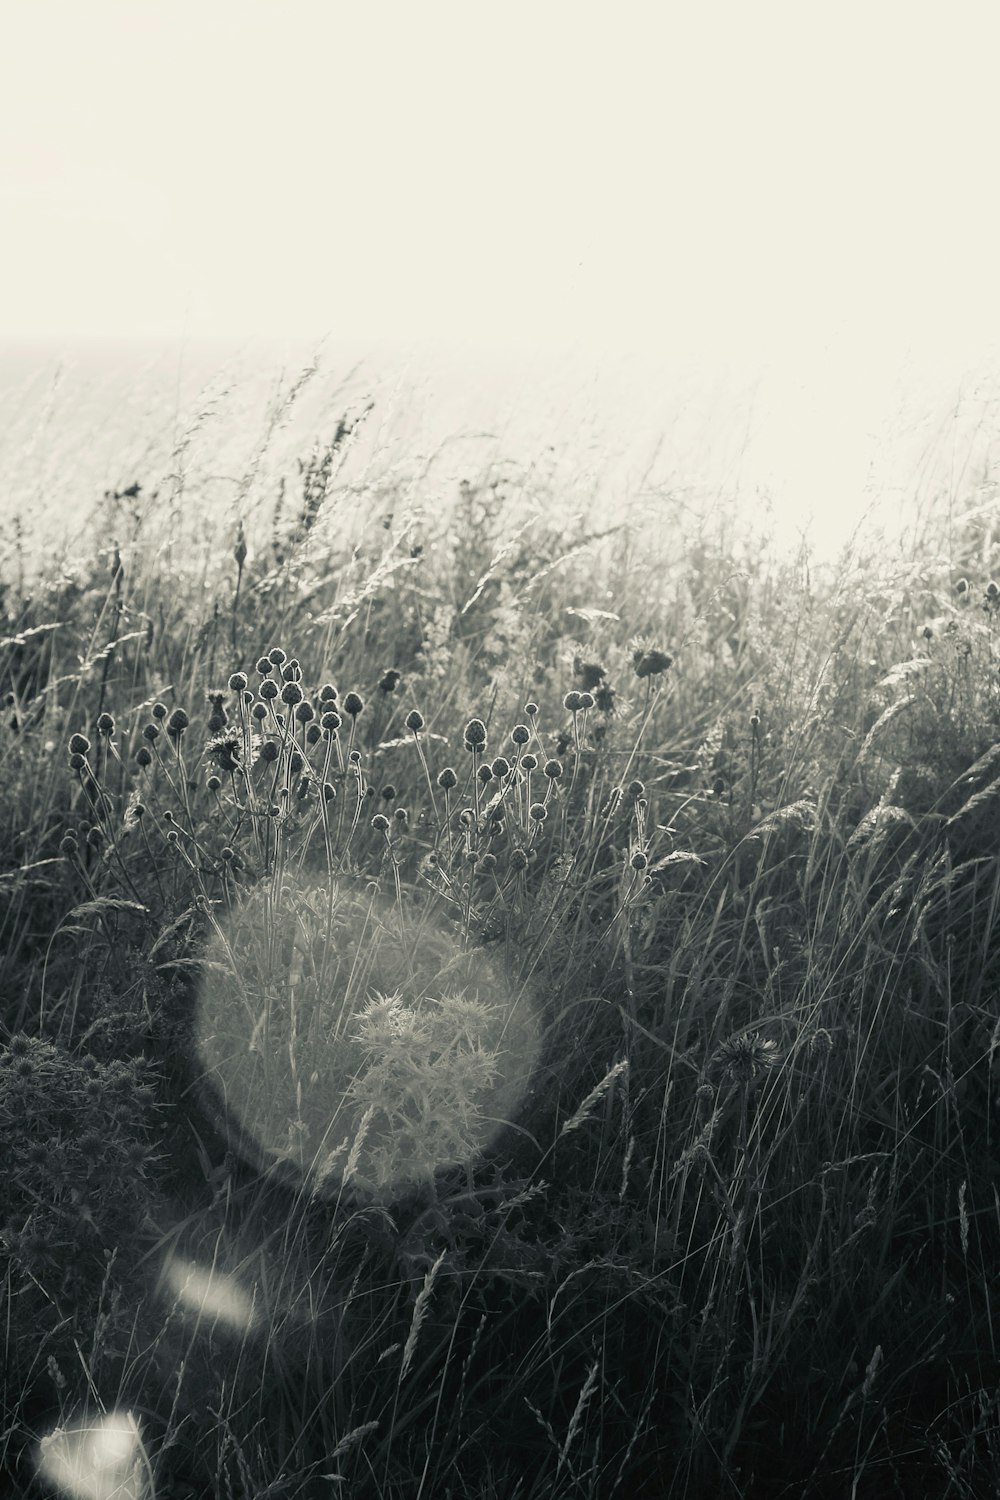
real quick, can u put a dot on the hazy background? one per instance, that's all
(743, 250)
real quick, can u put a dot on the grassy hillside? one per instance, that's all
(497, 1002)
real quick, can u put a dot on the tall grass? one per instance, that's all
(499, 1003)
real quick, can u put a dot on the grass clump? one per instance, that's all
(533, 1032)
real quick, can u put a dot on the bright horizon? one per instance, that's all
(773, 193)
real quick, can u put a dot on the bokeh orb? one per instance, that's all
(347, 1042)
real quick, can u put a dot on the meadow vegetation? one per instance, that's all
(629, 894)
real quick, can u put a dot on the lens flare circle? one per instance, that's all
(346, 1043)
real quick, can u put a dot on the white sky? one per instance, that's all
(811, 190)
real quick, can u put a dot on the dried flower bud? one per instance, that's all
(329, 791)
(353, 704)
(240, 550)
(518, 860)
(143, 756)
(331, 719)
(77, 761)
(572, 702)
(226, 854)
(105, 724)
(313, 734)
(639, 860)
(263, 666)
(276, 656)
(213, 783)
(259, 711)
(538, 812)
(586, 700)
(447, 779)
(305, 711)
(520, 734)
(238, 681)
(390, 680)
(651, 663)
(553, 769)
(177, 723)
(269, 751)
(636, 788)
(328, 693)
(355, 757)
(159, 711)
(380, 823)
(485, 775)
(269, 690)
(401, 816)
(531, 709)
(79, 744)
(529, 762)
(488, 862)
(68, 844)
(500, 767)
(475, 735)
(295, 762)
(415, 720)
(291, 693)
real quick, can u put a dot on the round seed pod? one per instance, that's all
(79, 744)
(389, 681)
(177, 723)
(263, 666)
(238, 681)
(276, 656)
(291, 694)
(388, 792)
(529, 762)
(520, 734)
(353, 704)
(213, 783)
(639, 860)
(68, 844)
(500, 767)
(538, 812)
(159, 711)
(105, 724)
(531, 709)
(269, 690)
(553, 769)
(331, 719)
(415, 720)
(447, 779)
(636, 788)
(518, 860)
(572, 702)
(151, 732)
(304, 711)
(329, 791)
(475, 735)
(259, 711)
(586, 700)
(143, 756)
(328, 693)
(77, 761)
(295, 762)
(485, 774)
(380, 823)
(313, 734)
(269, 751)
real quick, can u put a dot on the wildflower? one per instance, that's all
(538, 812)
(159, 711)
(518, 860)
(572, 702)
(500, 767)
(485, 774)
(746, 1056)
(520, 734)
(291, 694)
(636, 789)
(328, 693)
(531, 709)
(313, 734)
(238, 681)
(269, 751)
(388, 792)
(529, 762)
(77, 761)
(79, 744)
(475, 736)
(304, 711)
(639, 860)
(380, 823)
(68, 845)
(353, 704)
(151, 732)
(586, 700)
(401, 816)
(389, 681)
(331, 719)
(213, 783)
(269, 690)
(259, 711)
(225, 748)
(553, 769)
(446, 779)
(106, 724)
(604, 699)
(177, 723)
(276, 656)
(263, 666)
(590, 673)
(415, 720)
(143, 757)
(651, 663)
